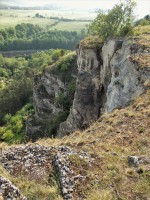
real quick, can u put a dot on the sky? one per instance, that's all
(142, 9)
(143, 6)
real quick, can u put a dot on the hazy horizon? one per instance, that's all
(142, 9)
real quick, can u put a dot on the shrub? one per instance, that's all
(8, 135)
(64, 101)
(13, 130)
(51, 129)
(115, 22)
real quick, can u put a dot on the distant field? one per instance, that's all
(71, 26)
(9, 18)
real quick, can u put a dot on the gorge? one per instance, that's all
(107, 78)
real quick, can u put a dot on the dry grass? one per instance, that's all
(99, 195)
(32, 189)
(109, 141)
(91, 42)
(141, 52)
(142, 40)
(142, 60)
(140, 30)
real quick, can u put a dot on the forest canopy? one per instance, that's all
(32, 37)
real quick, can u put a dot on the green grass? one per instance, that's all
(13, 17)
(70, 26)
(10, 18)
(139, 30)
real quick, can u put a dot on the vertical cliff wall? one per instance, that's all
(109, 76)
(107, 79)
(50, 90)
(87, 98)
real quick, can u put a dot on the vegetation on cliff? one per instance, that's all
(100, 166)
(53, 94)
(16, 85)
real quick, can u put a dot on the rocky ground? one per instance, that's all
(9, 191)
(35, 161)
(109, 160)
(116, 162)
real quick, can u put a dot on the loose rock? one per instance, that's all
(8, 191)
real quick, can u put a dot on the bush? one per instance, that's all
(115, 22)
(63, 100)
(8, 135)
(14, 128)
(51, 130)
(72, 89)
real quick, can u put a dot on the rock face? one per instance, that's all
(86, 104)
(46, 90)
(109, 77)
(124, 84)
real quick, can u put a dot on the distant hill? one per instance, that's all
(26, 5)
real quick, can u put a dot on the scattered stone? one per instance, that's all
(8, 191)
(114, 154)
(35, 161)
(123, 156)
(67, 180)
(140, 171)
(133, 161)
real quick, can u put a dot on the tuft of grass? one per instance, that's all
(32, 189)
(91, 42)
(140, 30)
(99, 195)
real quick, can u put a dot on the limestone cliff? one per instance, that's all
(109, 77)
(55, 83)
(87, 99)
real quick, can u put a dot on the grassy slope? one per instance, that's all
(70, 26)
(13, 17)
(110, 141)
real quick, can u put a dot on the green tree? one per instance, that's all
(37, 15)
(11, 32)
(115, 22)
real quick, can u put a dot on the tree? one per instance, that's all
(144, 21)
(114, 22)
(37, 15)
(147, 17)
